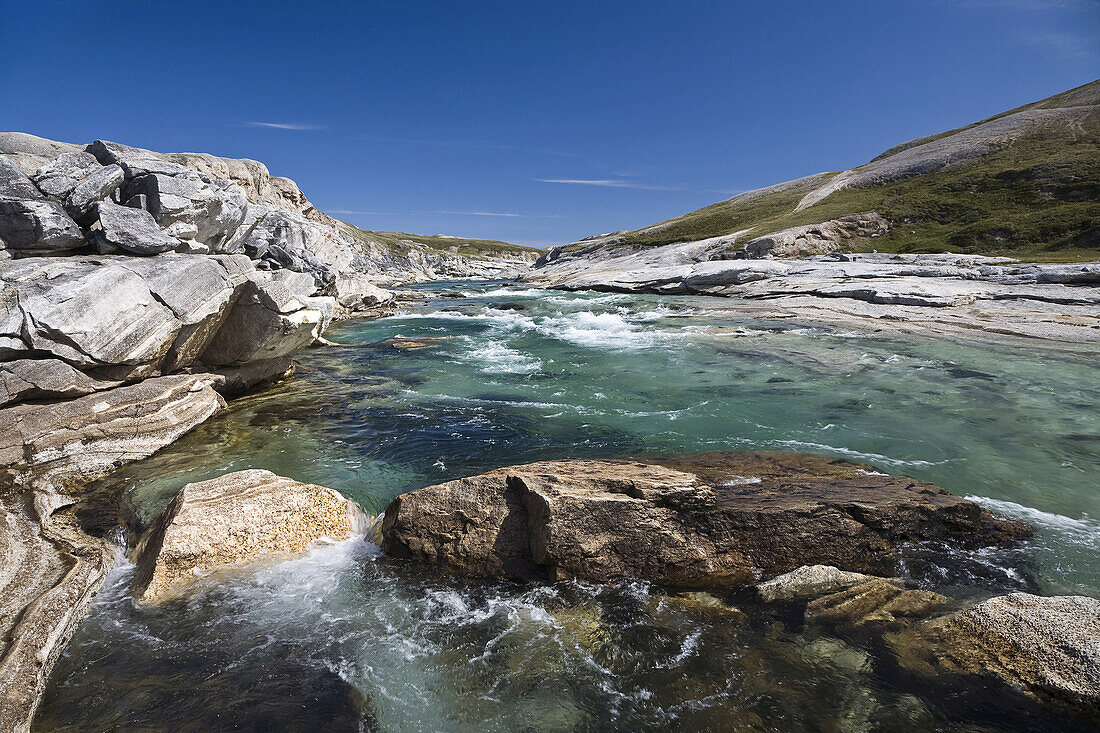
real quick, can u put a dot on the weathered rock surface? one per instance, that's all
(37, 227)
(14, 182)
(939, 294)
(120, 314)
(236, 519)
(52, 569)
(874, 602)
(96, 187)
(816, 239)
(1046, 647)
(688, 521)
(133, 230)
(811, 581)
(61, 445)
(45, 379)
(60, 176)
(269, 320)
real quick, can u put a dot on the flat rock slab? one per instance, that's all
(688, 521)
(233, 520)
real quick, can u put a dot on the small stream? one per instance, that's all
(341, 639)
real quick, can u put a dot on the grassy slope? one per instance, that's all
(1037, 198)
(400, 241)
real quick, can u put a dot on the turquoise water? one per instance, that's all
(341, 639)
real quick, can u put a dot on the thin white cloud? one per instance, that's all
(443, 213)
(606, 183)
(467, 144)
(284, 125)
(472, 213)
(1066, 45)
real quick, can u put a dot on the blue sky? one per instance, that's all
(532, 122)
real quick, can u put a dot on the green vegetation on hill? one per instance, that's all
(1036, 197)
(401, 242)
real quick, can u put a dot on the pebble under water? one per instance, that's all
(341, 639)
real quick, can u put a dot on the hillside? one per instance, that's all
(1024, 183)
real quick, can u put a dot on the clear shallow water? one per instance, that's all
(340, 639)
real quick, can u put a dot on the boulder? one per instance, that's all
(134, 161)
(279, 240)
(269, 320)
(96, 187)
(1048, 648)
(687, 521)
(97, 312)
(123, 317)
(37, 226)
(14, 182)
(59, 177)
(206, 211)
(236, 519)
(811, 581)
(133, 230)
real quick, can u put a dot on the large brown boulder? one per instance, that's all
(236, 519)
(687, 521)
(1048, 648)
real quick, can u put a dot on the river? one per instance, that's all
(341, 639)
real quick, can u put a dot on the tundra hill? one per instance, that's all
(1024, 183)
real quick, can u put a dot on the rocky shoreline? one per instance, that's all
(728, 534)
(140, 290)
(925, 294)
(802, 530)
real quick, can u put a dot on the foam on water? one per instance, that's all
(498, 358)
(600, 330)
(1084, 532)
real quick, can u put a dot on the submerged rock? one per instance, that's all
(1048, 648)
(407, 342)
(689, 521)
(811, 581)
(236, 519)
(873, 602)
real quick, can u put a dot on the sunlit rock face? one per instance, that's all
(700, 520)
(1046, 647)
(236, 519)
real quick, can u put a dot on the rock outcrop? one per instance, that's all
(52, 568)
(236, 519)
(1047, 648)
(954, 295)
(816, 239)
(693, 521)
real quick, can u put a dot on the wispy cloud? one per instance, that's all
(1026, 4)
(477, 144)
(284, 125)
(442, 213)
(607, 183)
(490, 213)
(1067, 45)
